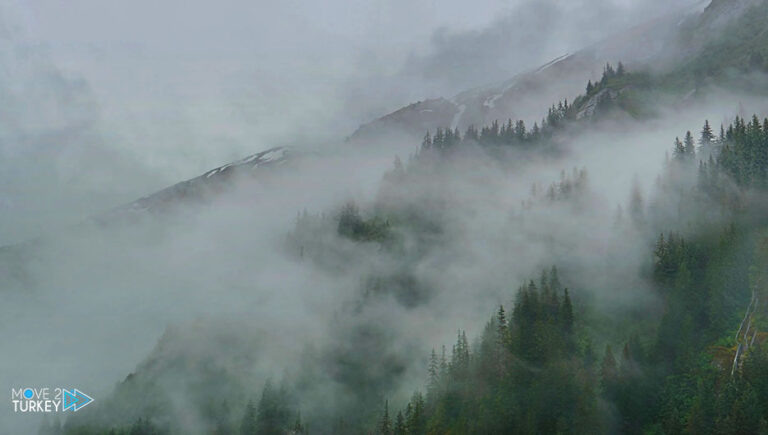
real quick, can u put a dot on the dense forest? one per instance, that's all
(545, 363)
(528, 218)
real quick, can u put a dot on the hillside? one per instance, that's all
(580, 249)
(653, 44)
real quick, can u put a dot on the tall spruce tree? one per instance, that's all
(385, 423)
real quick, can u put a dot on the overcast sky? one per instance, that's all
(386, 52)
(173, 88)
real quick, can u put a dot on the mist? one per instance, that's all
(100, 113)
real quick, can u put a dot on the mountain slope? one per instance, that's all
(526, 95)
(197, 188)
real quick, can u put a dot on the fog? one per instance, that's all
(140, 95)
(108, 102)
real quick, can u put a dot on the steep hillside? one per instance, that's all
(655, 42)
(197, 188)
(730, 40)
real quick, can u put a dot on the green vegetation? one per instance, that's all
(725, 53)
(353, 226)
(618, 93)
(701, 367)
(525, 375)
(534, 369)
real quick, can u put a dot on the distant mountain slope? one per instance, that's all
(527, 95)
(729, 38)
(678, 43)
(197, 188)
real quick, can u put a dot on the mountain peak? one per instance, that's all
(196, 188)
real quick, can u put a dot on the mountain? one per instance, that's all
(674, 46)
(527, 95)
(197, 189)
(677, 47)
(728, 43)
(536, 371)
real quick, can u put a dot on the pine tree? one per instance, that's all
(706, 135)
(536, 131)
(385, 424)
(433, 385)
(566, 313)
(415, 417)
(520, 131)
(350, 222)
(460, 357)
(502, 334)
(400, 428)
(690, 147)
(443, 362)
(426, 143)
(679, 151)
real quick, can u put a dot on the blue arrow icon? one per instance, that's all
(75, 400)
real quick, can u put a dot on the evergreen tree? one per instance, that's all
(501, 324)
(690, 147)
(415, 417)
(385, 424)
(426, 143)
(272, 414)
(400, 428)
(566, 313)
(707, 137)
(679, 151)
(433, 384)
(620, 70)
(350, 222)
